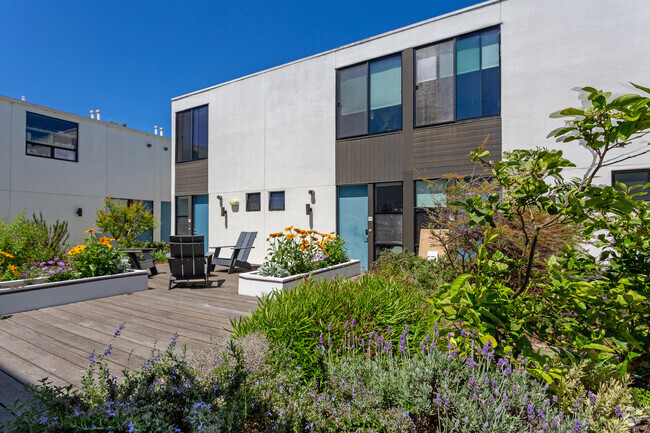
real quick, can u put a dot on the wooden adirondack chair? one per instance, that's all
(187, 259)
(240, 252)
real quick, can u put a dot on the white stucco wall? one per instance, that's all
(275, 130)
(550, 49)
(112, 160)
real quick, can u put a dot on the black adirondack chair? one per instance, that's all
(187, 259)
(240, 252)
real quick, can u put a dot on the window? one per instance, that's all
(631, 178)
(276, 200)
(253, 202)
(472, 90)
(369, 97)
(48, 137)
(192, 134)
(429, 197)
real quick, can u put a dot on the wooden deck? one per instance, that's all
(56, 342)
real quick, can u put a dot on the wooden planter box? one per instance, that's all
(25, 298)
(251, 284)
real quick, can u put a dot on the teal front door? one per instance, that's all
(201, 218)
(352, 221)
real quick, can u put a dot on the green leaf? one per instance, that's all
(460, 281)
(572, 112)
(597, 346)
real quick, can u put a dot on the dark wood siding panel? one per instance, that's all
(369, 159)
(192, 178)
(440, 150)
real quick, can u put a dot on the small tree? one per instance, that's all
(125, 222)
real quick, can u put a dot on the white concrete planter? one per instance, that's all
(251, 284)
(25, 298)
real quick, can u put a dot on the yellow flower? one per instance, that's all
(303, 236)
(305, 242)
(288, 229)
(14, 269)
(303, 247)
(89, 231)
(106, 241)
(6, 254)
(291, 236)
(76, 250)
(274, 235)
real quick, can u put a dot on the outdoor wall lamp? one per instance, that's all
(219, 197)
(149, 145)
(79, 211)
(311, 192)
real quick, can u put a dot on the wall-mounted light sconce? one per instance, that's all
(308, 209)
(79, 211)
(219, 197)
(165, 148)
(234, 202)
(149, 145)
(311, 192)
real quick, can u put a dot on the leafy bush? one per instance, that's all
(96, 257)
(300, 251)
(24, 240)
(296, 317)
(125, 222)
(270, 269)
(422, 273)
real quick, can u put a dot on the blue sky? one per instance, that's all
(130, 57)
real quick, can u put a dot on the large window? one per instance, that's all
(192, 134)
(458, 79)
(48, 137)
(631, 178)
(369, 97)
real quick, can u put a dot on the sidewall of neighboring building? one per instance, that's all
(112, 161)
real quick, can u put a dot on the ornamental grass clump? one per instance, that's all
(300, 251)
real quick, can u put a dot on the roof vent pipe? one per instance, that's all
(92, 114)
(98, 114)
(22, 98)
(155, 130)
(161, 129)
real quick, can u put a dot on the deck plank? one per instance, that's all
(55, 342)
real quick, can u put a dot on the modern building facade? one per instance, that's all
(64, 165)
(340, 140)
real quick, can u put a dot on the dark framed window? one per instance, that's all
(192, 134)
(276, 200)
(369, 97)
(48, 137)
(458, 79)
(631, 178)
(253, 202)
(430, 195)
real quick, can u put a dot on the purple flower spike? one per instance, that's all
(438, 399)
(320, 338)
(390, 330)
(329, 328)
(619, 412)
(463, 333)
(577, 427)
(352, 324)
(486, 426)
(23, 276)
(347, 323)
(531, 412)
(447, 404)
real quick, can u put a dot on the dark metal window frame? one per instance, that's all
(192, 129)
(284, 198)
(337, 103)
(633, 170)
(248, 203)
(455, 38)
(76, 150)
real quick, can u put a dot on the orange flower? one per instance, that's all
(274, 235)
(305, 242)
(303, 247)
(288, 229)
(303, 236)
(6, 254)
(291, 236)
(14, 269)
(89, 231)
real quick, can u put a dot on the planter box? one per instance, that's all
(251, 284)
(25, 298)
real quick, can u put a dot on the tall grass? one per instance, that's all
(296, 318)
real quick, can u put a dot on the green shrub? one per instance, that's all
(125, 222)
(270, 269)
(24, 240)
(96, 257)
(296, 317)
(423, 273)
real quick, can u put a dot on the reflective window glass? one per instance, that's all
(435, 84)
(51, 138)
(253, 202)
(385, 95)
(352, 101)
(632, 178)
(192, 134)
(276, 200)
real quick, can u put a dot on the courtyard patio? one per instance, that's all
(56, 342)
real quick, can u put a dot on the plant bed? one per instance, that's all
(35, 296)
(252, 284)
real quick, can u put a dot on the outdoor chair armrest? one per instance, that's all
(223, 246)
(242, 248)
